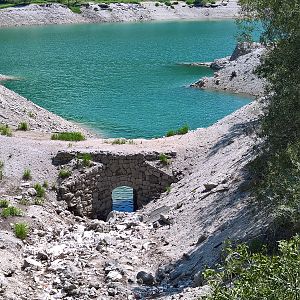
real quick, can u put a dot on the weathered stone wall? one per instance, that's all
(89, 191)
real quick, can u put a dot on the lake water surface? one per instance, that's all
(122, 80)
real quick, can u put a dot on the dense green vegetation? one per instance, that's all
(257, 275)
(276, 171)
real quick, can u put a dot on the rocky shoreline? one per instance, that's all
(236, 73)
(156, 252)
(44, 14)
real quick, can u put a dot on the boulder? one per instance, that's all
(145, 278)
(209, 186)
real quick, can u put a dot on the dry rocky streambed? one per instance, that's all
(156, 252)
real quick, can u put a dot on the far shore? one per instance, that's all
(47, 14)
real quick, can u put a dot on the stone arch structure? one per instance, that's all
(89, 191)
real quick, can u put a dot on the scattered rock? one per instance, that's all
(31, 192)
(164, 219)
(114, 276)
(32, 264)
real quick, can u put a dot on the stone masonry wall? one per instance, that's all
(88, 192)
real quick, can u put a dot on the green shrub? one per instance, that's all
(11, 211)
(168, 3)
(119, 142)
(75, 9)
(175, 3)
(68, 136)
(164, 159)
(277, 188)
(86, 159)
(183, 130)
(4, 203)
(21, 230)
(201, 2)
(189, 2)
(40, 191)
(5, 130)
(23, 126)
(64, 173)
(171, 133)
(27, 174)
(157, 4)
(168, 189)
(252, 276)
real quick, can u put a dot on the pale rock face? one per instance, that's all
(237, 74)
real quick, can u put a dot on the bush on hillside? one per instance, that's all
(252, 276)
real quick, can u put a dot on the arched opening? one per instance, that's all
(124, 199)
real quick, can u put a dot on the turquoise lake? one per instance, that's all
(122, 80)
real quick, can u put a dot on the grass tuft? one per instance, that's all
(64, 173)
(4, 203)
(164, 159)
(27, 174)
(39, 201)
(5, 130)
(85, 158)
(68, 136)
(45, 184)
(119, 142)
(40, 191)
(182, 130)
(23, 126)
(21, 230)
(11, 211)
